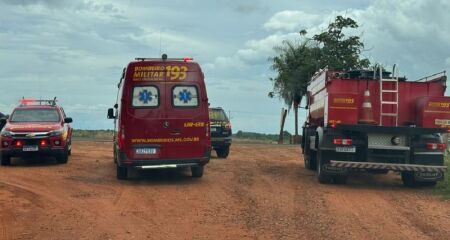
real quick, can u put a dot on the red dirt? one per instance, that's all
(259, 192)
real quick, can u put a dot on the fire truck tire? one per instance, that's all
(340, 179)
(408, 179)
(197, 171)
(223, 152)
(310, 160)
(5, 160)
(122, 172)
(322, 176)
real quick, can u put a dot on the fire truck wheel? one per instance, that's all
(310, 160)
(408, 179)
(197, 171)
(340, 179)
(5, 160)
(223, 152)
(122, 172)
(322, 176)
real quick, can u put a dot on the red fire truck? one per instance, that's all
(375, 121)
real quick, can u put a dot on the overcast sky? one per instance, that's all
(76, 50)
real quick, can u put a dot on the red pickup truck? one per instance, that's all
(36, 127)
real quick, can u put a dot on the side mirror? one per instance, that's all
(2, 121)
(68, 120)
(116, 106)
(111, 113)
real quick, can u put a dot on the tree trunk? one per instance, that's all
(296, 117)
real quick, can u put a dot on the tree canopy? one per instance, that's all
(297, 62)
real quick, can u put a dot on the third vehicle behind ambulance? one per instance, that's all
(161, 116)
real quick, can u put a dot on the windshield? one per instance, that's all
(35, 115)
(217, 115)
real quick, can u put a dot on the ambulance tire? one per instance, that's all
(5, 160)
(223, 152)
(122, 172)
(197, 171)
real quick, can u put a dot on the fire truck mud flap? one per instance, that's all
(424, 172)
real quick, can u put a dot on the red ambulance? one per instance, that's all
(161, 116)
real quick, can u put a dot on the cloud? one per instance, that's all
(292, 21)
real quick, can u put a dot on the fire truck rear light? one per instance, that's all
(187, 59)
(436, 146)
(57, 142)
(5, 143)
(228, 126)
(340, 141)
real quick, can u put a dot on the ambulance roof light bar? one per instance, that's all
(27, 102)
(165, 58)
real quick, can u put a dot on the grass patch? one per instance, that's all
(443, 187)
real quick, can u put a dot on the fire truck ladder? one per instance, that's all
(385, 89)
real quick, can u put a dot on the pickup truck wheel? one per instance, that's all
(5, 160)
(122, 172)
(322, 176)
(223, 152)
(70, 148)
(197, 171)
(63, 157)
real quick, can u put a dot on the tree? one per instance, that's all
(297, 62)
(295, 68)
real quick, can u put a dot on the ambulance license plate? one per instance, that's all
(351, 149)
(145, 151)
(30, 148)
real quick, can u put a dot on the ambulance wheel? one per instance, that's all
(223, 152)
(122, 172)
(5, 160)
(197, 171)
(322, 176)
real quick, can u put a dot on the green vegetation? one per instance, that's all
(297, 62)
(443, 188)
(252, 137)
(93, 134)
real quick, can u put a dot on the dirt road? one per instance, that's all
(259, 192)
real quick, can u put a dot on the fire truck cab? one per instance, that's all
(161, 116)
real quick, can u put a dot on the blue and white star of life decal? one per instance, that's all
(185, 96)
(145, 96)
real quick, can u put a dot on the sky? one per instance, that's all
(76, 50)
